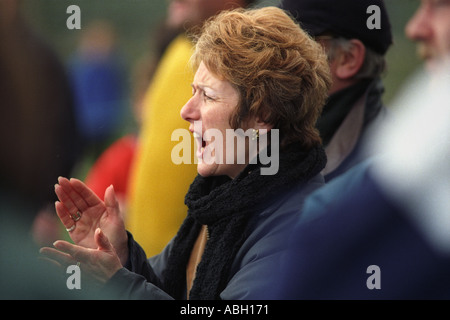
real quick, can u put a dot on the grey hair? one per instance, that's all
(374, 64)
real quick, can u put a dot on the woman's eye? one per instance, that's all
(207, 97)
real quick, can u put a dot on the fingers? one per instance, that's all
(57, 257)
(68, 250)
(110, 198)
(101, 263)
(102, 241)
(69, 196)
(90, 198)
(68, 253)
(75, 198)
(64, 215)
(67, 207)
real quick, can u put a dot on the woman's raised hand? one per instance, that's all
(82, 212)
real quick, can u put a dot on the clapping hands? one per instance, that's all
(96, 228)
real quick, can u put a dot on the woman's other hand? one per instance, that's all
(100, 263)
(82, 212)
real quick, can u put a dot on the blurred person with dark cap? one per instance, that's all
(356, 50)
(385, 231)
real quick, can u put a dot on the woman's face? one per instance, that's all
(209, 111)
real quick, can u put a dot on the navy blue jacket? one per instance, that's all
(333, 252)
(252, 269)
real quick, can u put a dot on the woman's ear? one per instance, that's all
(260, 124)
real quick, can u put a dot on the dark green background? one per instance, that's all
(135, 21)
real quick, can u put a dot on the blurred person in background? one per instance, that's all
(100, 82)
(113, 166)
(98, 79)
(357, 61)
(36, 104)
(38, 139)
(157, 187)
(385, 234)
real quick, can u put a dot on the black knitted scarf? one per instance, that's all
(226, 206)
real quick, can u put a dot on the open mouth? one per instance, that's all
(201, 144)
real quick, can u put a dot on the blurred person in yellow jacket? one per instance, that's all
(157, 186)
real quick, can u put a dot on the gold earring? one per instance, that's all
(255, 134)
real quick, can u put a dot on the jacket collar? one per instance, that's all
(349, 132)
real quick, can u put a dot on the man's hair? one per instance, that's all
(282, 75)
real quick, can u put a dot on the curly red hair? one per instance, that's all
(281, 73)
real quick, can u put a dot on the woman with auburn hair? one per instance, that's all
(258, 72)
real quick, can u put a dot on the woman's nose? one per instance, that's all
(190, 111)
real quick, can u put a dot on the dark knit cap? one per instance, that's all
(346, 18)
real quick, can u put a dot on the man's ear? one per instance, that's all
(349, 62)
